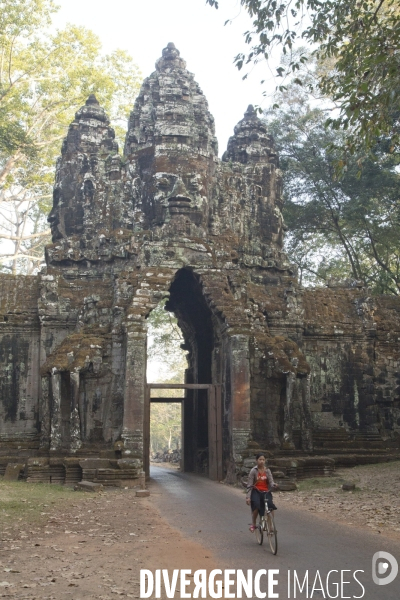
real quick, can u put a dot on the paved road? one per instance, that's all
(216, 516)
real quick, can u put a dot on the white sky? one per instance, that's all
(144, 27)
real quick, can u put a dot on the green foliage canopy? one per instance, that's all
(338, 228)
(359, 39)
(45, 75)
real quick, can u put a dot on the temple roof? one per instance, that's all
(92, 110)
(171, 109)
(251, 141)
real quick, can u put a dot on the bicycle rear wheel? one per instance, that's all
(271, 533)
(259, 532)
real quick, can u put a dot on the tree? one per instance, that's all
(44, 77)
(165, 426)
(23, 231)
(344, 228)
(166, 364)
(361, 42)
(164, 351)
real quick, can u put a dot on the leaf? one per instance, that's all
(47, 83)
(360, 43)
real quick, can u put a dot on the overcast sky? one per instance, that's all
(144, 27)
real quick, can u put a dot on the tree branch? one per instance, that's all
(20, 255)
(10, 163)
(377, 10)
(25, 237)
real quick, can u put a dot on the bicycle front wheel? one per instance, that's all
(271, 533)
(259, 532)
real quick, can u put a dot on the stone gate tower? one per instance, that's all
(297, 371)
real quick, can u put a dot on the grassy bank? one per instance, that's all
(364, 476)
(30, 503)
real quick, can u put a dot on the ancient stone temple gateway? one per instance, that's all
(298, 372)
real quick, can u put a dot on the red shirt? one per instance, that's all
(262, 483)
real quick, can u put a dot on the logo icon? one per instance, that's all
(384, 564)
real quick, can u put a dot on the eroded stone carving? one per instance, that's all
(293, 370)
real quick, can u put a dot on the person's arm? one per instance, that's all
(250, 482)
(271, 483)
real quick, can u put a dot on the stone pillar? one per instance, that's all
(75, 433)
(240, 386)
(288, 413)
(45, 414)
(55, 428)
(306, 433)
(135, 388)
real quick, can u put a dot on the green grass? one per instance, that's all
(305, 485)
(21, 501)
(385, 466)
(354, 474)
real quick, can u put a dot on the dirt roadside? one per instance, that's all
(92, 546)
(374, 505)
(81, 546)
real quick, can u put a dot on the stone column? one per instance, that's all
(75, 433)
(135, 387)
(55, 428)
(288, 413)
(240, 386)
(306, 434)
(45, 414)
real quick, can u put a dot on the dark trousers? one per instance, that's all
(257, 501)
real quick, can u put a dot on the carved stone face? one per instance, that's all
(171, 137)
(66, 215)
(182, 195)
(175, 194)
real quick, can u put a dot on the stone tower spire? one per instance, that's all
(171, 109)
(251, 142)
(252, 158)
(171, 137)
(78, 198)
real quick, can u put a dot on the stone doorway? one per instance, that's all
(189, 446)
(201, 400)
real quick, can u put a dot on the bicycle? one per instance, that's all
(267, 524)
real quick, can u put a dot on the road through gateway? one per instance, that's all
(317, 558)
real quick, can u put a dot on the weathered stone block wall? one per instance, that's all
(385, 377)
(19, 358)
(296, 370)
(351, 343)
(280, 411)
(78, 342)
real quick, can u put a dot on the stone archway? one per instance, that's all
(201, 330)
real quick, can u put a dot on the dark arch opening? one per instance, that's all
(187, 302)
(189, 305)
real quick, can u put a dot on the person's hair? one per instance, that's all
(259, 454)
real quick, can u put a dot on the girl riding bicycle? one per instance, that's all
(259, 486)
